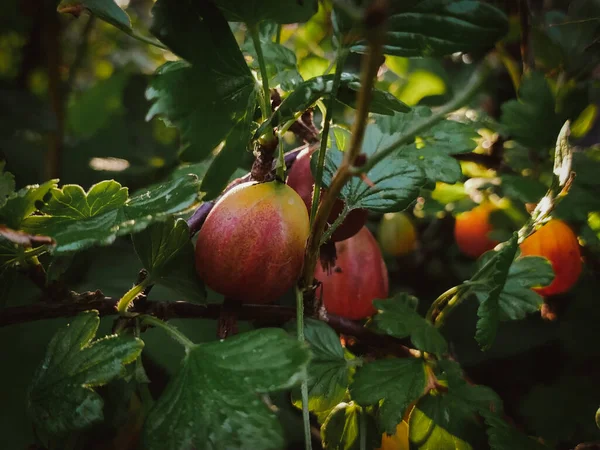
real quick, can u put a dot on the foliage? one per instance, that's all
(122, 125)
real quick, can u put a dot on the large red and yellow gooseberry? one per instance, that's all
(251, 247)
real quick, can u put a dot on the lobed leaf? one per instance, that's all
(394, 382)
(213, 401)
(397, 317)
(329, 370)
(166, 252)
(440, 27)
(61, 398)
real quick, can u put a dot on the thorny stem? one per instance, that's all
(336, 223)
(304, 385)
(131, 294)
(266, 107)
(173, 332)
(474, 83)
(341, 56)
(370, 66)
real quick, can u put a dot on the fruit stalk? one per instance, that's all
(374, 21)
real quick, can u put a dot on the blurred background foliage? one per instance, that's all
(73, 105)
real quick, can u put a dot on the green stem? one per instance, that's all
(278, 34)
(340, 58)
(439, 302)
(131, 294)
(173, 332)
(304, 385)
(263, 74)
(477, 78)
(337, 222)
(363, 430)
(280, 171)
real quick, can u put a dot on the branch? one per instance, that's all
(267, 315)
(374, 21)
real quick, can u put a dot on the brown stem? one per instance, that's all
(374, 21)
(267, 314)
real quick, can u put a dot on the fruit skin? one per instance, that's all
(396, 234)
(300, 179)
(556, 241)
(251, 247)
(359, 277)
(398, 441)
(471, 231)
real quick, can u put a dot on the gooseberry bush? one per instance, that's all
(300, 224)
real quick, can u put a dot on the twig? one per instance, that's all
(165, 310)
(374, 21)
(476, 80)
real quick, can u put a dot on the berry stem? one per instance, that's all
(173, 332)
(131, 294)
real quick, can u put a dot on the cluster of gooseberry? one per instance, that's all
(251, 247)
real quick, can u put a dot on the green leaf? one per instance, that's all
(516, 298)
(7, 185)
(503, 436)
(23, 203)
(342, 429)
(488, 283)
(442, 422)
(227, 160)
(397, 317)
(582, 197)
(280, 63)
(279, 11)
(525, 189)
(204, 102)
(328, 371)
(159, 201)
(396, 382)
(440, 27)
(396, 183)
(213, 400)
(78, 220)
(435, 146)
(531, 119)
(307, 93)
(167, 253)
(61, 398)
(106, 10)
